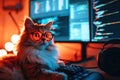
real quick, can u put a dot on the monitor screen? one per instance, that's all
(70, 17)
(105, 19)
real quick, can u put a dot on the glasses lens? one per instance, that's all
(48, 36)
(36, 36)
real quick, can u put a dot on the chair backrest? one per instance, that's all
(109, 58)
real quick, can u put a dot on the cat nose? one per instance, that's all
(43, 39)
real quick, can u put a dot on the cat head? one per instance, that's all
(30, 25)
(37, 35)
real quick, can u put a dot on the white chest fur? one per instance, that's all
(45, 57)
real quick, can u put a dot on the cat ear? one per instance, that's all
(28, 23)
(49, 24)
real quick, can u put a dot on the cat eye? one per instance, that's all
(48, 36)
(38, 36)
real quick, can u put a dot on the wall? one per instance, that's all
(73, 51)
(7, 25)
(68, 51)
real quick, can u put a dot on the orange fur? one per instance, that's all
(37, 56)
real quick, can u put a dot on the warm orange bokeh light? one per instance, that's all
(9, 46)
(15, 38)
(14, 52)
(3, 52)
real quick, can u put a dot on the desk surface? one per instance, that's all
(92, 65)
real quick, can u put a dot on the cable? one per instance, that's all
(94, 47)
(17, 26)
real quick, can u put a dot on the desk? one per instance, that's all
(92, 65)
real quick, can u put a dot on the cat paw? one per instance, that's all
(61, 63)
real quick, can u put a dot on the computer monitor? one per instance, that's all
(105, 20)
(71, 18)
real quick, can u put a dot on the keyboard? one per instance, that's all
(75, 72)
